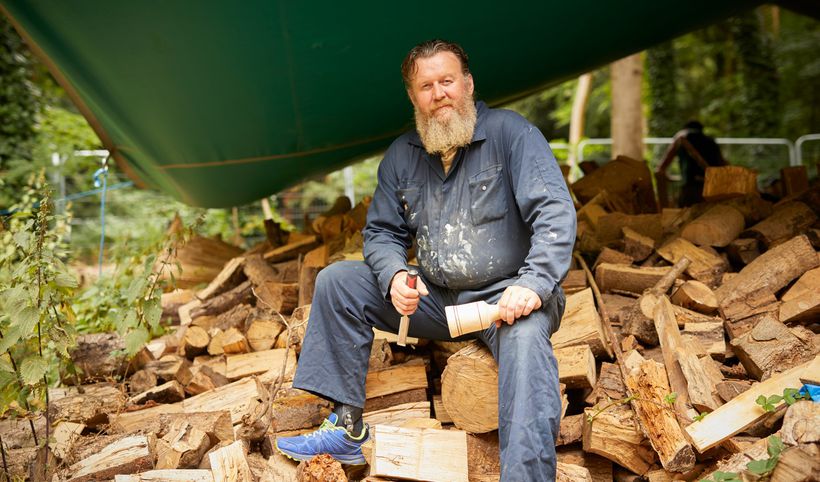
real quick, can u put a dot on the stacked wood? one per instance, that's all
(627, 180)
(718, 226)
(771, 347)
(728, 181)
(99, 356)
(787, 221)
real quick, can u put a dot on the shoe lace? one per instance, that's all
(326, 426)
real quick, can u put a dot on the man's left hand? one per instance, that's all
(516, 302)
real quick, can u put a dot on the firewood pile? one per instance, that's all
(676, 323)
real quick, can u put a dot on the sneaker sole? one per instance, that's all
(347, 460)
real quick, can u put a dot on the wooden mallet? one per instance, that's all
(470, 317)
(404, 324)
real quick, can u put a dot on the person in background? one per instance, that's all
(696, 151)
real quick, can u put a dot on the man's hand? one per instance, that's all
(516, 302)
(406, 299)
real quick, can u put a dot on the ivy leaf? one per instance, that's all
(32, 370)
(153, 312)
(135, 340)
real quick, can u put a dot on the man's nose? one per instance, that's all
(438, 92)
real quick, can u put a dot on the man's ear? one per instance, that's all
(410, 96)
(468, 79)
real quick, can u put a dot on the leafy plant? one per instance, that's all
(766, 466)
(671, 398)
(769, 404)
(723, 477)
(700, 416)
(36, 321)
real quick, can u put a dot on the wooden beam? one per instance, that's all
(742, 411)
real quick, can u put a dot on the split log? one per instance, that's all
(743, 251)
(398, 398)
(279, 297)
(307, 284)
(611, 277)
(229, 464)
(710, 336)
(64, 435)
(172, 367)
(704, 266)
(322, 468)
(234, 317)
(757, 283)
(181, 475)
(215, 344)
(223, 302)
(141, 381)
(772, 347)
(216, 425)
(576, 366)
(202, 259)
(575, 281)
(809, 282)
(262, 333)
(752, 206)
(125, 456)
(614, 435)
(696, 296)
(295, 409)
(610, 227)
(173, 301)
(195, 342)
(381, 355)
(611, 256)
(182, 447)
(257, 417)
(718, 226)
(571, 473)
(636, 245)
(742, 412)
(234, 342)
(396, 379)
(801, 425)
(439, 410)
(700, 383)
(92, 407)
(298, 328)
(599, 467)
(647, 382)
(581, 325)
(260, 271)
(609, 386)
(794, 179)
(99, 356)
(800, 463)
(228, 277)
(724, 182)
(397, 414)
(483, 457)
(787, 221)
(469, 389)
(240, 366)
(729, 389)
(292, 250)
(803, 308)
(168, 392)
(671, 346)
(419, 454)
(571, 429)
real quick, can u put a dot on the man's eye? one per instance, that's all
(447, 82)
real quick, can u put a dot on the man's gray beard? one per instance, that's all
(439, 137)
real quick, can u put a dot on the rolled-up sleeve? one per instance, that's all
(386, 235)
(545, 204)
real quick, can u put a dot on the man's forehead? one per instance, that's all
(437, 63)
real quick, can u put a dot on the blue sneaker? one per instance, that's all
(327, 439)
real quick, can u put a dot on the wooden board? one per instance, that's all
(127, 455)
(420, 454)
(742, 411)
(184, 475)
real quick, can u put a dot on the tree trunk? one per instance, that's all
(627, 110)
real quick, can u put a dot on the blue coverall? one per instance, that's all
(501, 216)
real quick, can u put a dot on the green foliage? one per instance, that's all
(700, 416)
(766, 466)
(723, 477)
(790, 396)
(671, 398)
(19, 101)
(35, 295)
(664, 118)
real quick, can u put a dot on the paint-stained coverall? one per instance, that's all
(501, 216)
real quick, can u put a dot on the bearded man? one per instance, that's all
(479, 193)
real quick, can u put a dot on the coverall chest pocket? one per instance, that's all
(410, 201)
(487, 199)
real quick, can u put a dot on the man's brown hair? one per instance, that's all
(427, 49)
